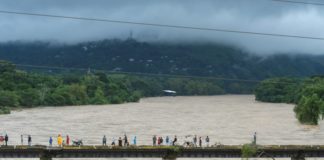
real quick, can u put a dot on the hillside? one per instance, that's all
(184, 59)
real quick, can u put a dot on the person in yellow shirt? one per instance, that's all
(59, 140)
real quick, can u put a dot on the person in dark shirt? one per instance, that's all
(174, 140)
(254, 138)
(125, 140)
(104, 141)
(154, 140)
(6, 139)
(29, 140)
(120, 142)
(207, 141)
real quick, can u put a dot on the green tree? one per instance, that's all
(99, 97)
(135, 96)
(92, 83)
(74, 94)
(278, 90)
(78, 94)
(309, 109)
(29, 97)
(9, 99)
(55, 99)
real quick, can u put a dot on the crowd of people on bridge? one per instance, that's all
(190, 141)
(156, 141)
(5, 139)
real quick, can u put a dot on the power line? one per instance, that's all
(151, 74)
(162, 25)
(300, 2)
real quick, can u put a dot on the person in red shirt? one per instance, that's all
(67, 140)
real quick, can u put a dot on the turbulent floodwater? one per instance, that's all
(230, 119)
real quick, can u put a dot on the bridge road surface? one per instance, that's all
(295, 152)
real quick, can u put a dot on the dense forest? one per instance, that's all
(129, 55)
(307, 94)
(25, 89)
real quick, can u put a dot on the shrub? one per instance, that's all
(249, 150)
(4, 110)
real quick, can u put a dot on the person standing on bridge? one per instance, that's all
(254, 138)
(159, 141)
(154, 140)
(200, 141)
(167, 140)
(6, 139)
(29, 140)
(120, 142)
(125, 140)
(59, 140)
(67, 140)
(195, 140)
(104, 141)
(50, 141)
(134, 140)
(113, 141)
(207, 141)
(174, 140)
(22, 139)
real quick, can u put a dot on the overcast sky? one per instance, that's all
(244, 15)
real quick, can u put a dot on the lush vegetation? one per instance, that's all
(249, 150)
(24, 89)
(307, 94)
(278, 90)
(160, 58)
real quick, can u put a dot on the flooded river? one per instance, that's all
(229, 119)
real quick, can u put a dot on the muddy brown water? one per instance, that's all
(228, 119)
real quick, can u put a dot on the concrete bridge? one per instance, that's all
(166, 153)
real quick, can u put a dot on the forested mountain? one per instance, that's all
(185, 59)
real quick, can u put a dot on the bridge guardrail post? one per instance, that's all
(45, 155)
(172, 154)
(298, 156)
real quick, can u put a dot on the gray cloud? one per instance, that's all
(247, 15)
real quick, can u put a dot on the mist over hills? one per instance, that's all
(160, 58)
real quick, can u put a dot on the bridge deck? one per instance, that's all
(166, 152)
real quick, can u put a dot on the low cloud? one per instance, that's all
(247, 15)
